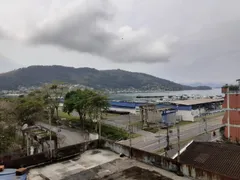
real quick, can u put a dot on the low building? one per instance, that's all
(104, 159)
(187, 110)
(214, 157)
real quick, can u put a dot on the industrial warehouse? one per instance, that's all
(180, 110)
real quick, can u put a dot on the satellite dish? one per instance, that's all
(25, 126)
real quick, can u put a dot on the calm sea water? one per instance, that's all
(131, 96)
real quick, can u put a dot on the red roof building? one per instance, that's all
(232, 115)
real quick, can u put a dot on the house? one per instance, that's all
(220, 158)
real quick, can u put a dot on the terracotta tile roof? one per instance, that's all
(220, 158)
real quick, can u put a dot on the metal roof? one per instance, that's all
(190, 102)
(220, 158)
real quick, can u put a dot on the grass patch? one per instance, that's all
(62, 114)
(152, 129)
(108, 115)
(134, 135)
(110, 132)
(210, 116)
(182, 123)
(136, 123)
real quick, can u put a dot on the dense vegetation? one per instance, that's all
(43, 104)
(107, 79)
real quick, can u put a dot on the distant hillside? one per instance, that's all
(107, 79)
(212, 85)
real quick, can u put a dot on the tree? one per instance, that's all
(85, 102)
(7, 111)
(76, 100)
(8, 125)
(7, 137)
(52, 95)
(97, 103)
(29, 110)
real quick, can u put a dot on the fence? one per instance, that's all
(45, 158)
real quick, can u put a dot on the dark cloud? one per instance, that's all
(86, 31)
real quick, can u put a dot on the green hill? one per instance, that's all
(104, 79)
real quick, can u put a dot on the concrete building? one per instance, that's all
(187, 110)
(106, 160)
(232, 115)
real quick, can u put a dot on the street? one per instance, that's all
(67, 136)
(155, 142)
(148, 141)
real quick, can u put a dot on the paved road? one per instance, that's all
(154, 143)
(68, 136)
(148, 141)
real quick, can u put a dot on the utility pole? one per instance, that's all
(205, 123)
(50, 135)
(178, 135)
(100, 128)
(130, 134)
(167, 138)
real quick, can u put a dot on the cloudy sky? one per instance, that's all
(181, 40)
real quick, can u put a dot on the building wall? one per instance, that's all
(169, 117)
(234, 116)
(185, 115)
(234, 101)
(234, 133)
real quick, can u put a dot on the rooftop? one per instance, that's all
(190, 102)
(99, 164)
(214, 157)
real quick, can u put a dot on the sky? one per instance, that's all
(184, 41)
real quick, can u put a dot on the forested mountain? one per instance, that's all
(99, 79)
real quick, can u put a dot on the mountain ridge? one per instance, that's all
(91, 77)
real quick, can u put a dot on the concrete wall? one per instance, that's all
(43, 158)
(139, 155)
(162, 162)
(116, 147)
(74, 149)
(185, 115)
(27, 161)
(142, 156)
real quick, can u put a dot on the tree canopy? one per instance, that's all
(86, 103)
